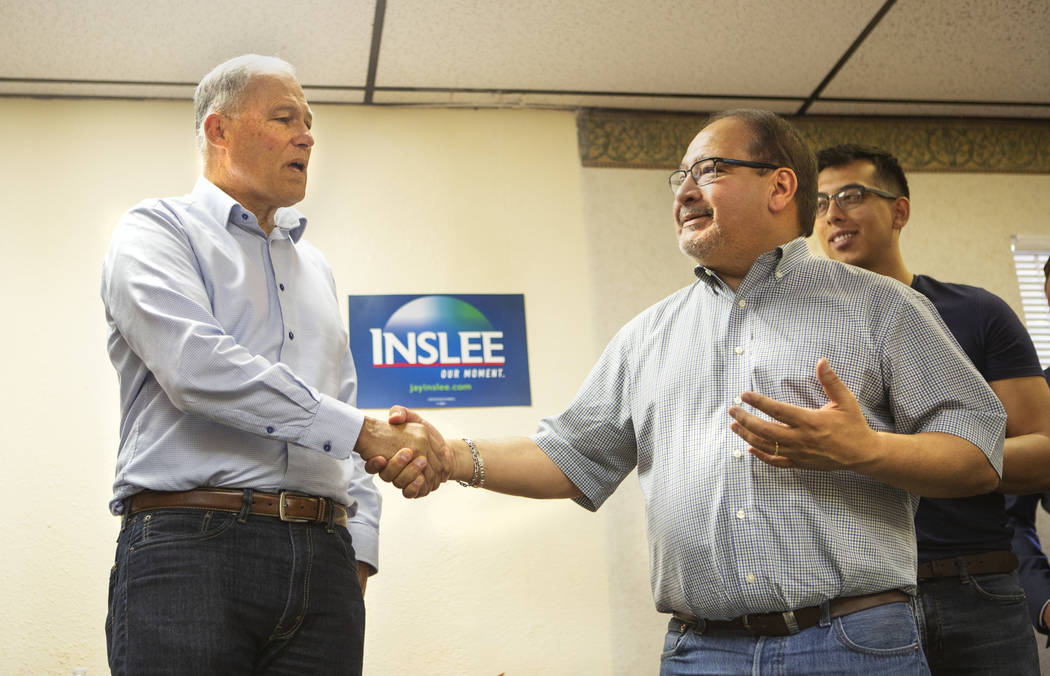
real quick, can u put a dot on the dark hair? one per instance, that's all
(1046, 268)
(777, 142)
(887, 169)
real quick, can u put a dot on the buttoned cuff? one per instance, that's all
(334, 429)
(366, 542)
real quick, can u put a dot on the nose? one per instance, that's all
(834, 214)
(688, 191)
(305, 137)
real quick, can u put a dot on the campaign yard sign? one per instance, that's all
(429, 351)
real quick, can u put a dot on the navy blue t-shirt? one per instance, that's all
(999, 346)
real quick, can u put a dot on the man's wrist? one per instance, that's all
(370, 429)
(462, 460)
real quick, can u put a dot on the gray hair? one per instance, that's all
(221, 90)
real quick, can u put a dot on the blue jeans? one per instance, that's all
(977, 624)
(211, 592)
(880, 640)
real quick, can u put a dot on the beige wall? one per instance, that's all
(400, 200)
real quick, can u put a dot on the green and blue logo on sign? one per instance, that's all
(440, 350)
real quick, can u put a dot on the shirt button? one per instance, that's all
(291, 336)
(738, 349)
(281, 287)
(738, 401)
(738, 454)
(750, 577)
(740, 514)
(742, 303)
(269, 430)
(779, 274)
(327, 447)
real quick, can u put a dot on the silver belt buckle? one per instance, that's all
(790, 622)
(281, 507)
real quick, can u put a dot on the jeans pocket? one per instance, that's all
(110, 614)
(166, 526)
(673, 641)
(1002, 588)
(346, 544)
(885, 630)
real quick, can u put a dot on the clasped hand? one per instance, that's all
(835, 436)
(411, 454)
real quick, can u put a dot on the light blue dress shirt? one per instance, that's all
(728, 534)
(235, 369)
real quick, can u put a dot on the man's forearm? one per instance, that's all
(931, 464)
(1026, 464)
(1026, 453)
(516, 466)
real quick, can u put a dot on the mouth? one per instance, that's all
(694, 218)
(841, 239)
(297, 166)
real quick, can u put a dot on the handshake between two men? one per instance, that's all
(406, 451)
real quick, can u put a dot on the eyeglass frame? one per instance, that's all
(724, 160)
(864, 190)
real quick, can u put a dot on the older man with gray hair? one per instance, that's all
(248, 525)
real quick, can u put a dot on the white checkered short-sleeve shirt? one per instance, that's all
(729, 535)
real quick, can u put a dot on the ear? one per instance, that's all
(901, 211)
(215, 130)
(785, 184)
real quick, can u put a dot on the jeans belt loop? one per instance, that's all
(330, 522)
(246, 506)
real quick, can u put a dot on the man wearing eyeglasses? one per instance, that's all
(767, 559)
(1034, 568)
(973, 607)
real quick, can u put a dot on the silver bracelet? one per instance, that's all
(478, 479)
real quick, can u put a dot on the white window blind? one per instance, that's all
(1030, 254)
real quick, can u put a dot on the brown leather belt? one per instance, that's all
(791, 622)
(1001, 561)
(286, 506)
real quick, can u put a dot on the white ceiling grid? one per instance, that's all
(948, 57)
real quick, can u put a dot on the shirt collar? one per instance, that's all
(778, 261)
(224, 209)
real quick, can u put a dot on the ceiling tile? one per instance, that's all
(180, 41)
(964, 50)
(613, 46)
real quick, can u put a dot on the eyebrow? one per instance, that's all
(293, 107)
(842, 187)
(683, 167)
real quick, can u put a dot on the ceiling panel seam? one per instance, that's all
(846, 55)
(373, 57)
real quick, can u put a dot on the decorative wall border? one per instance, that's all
(632, 139)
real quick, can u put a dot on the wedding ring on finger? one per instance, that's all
(776, 448)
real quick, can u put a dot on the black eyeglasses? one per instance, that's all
(706, 170)
(848, 197)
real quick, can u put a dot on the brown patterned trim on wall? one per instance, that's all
(631, 139)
